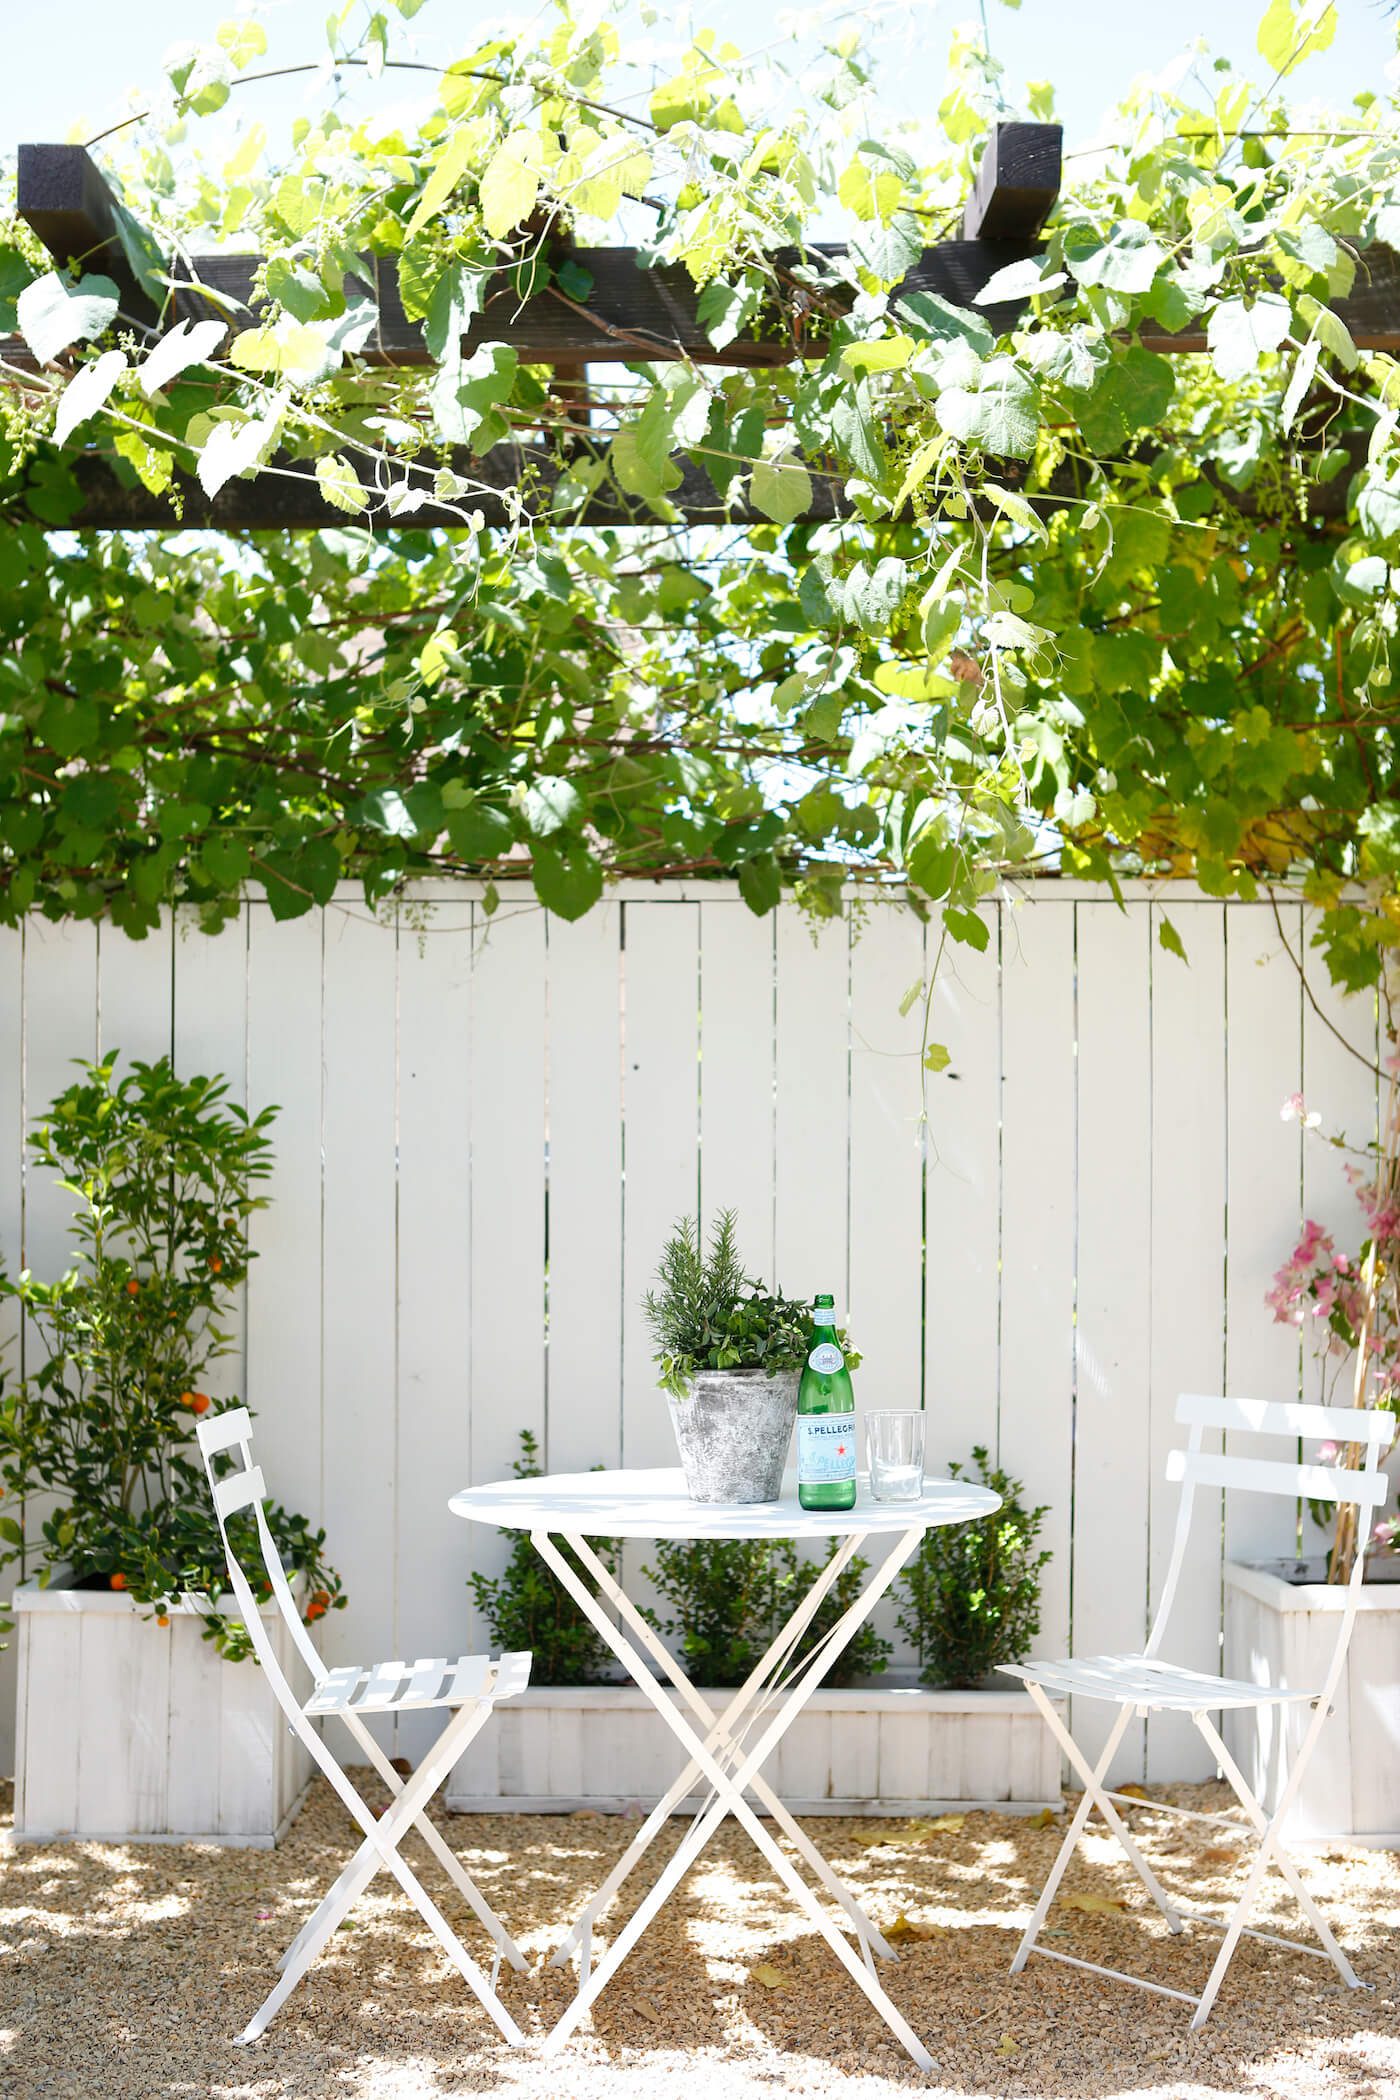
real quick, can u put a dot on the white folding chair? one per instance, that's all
(1143, 1684)
(466, 1689)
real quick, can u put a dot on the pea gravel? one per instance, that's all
(124, 1971)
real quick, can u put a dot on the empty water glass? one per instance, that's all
(894, 1450)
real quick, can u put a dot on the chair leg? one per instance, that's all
(1094, 1797)
(439, 1847)
(382, 1838)
(1270, 1851)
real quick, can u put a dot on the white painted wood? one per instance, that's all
(507, 1272)
(1187, 1274)
(211, 1037)
(1280, 1633)
(585, 1191)
(432, 1609)
(537, 1092)
(962, 1353)
(1038, 1227)
(1113, 1463)
(358, 1281)
(11, 1245)
(284, 1382)
(133, 1730)
(737, 1104)
(134, 994)
(888, 1749)
(887, 1166)
(813, 1108)
(1264, 1061)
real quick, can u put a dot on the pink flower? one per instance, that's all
(1295, 1110)
(1326, 1454)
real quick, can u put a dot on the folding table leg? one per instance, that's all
(723, 1732)
(729, 1792)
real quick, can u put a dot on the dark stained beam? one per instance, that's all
(67, 203)
(1018, 180)
(290, 500)
(1370, 311)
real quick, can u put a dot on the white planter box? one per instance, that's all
(899, 1750)
(129, 1730)
(1283, 1633)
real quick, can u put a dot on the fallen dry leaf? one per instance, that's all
(1091, 1901)
(1224, 1855)
(929, 1826)
(1008, 2045)
(772, 1979)
(876, 1837)
(648, 2008)
(911, 1929)
(1044, 1821)
(1135, 1792)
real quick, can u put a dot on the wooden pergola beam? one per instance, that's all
(1017, 183)
(290, 499)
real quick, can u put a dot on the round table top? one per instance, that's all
(652, 1503)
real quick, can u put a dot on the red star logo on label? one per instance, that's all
(840, 1451)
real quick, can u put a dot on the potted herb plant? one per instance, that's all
(730, 1355)
(138, 1713)
(1282, 1614)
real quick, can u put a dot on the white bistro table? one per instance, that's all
(572, 1508)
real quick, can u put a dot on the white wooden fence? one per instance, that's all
(486, 1128)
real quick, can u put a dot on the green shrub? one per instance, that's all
(729, 1597)
(163, 1173)
(527, 1606)
(972, 1591)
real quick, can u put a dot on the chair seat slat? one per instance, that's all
(1142, 1680)
(382, 1691)
(512, 1675)
(335, 1693)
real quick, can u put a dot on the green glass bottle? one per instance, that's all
(826, 1418)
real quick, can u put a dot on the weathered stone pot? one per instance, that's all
(733, 1429)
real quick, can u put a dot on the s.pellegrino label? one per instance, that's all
(826, 1418)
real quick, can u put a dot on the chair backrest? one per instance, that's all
(231, 1430)
(1369, 1431)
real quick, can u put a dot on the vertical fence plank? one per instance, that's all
(812, 1150)
(433, 1454)
(134, 1010)
(887, 1160)
(1264, 1053)
(210, 1036)
(1188, 1290)
(283, 1354)
(1037, 1284)
(360, 1251)
(661, 1107)
(964, 1201)
(1112, 1447)
(11, 1245)
(508, 1193)
(1340, 1041)
(736, 1072)
(585, 1191)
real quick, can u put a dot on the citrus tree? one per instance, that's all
(1085, 604)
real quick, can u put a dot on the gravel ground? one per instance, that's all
(125, 1970)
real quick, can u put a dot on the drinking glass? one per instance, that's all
(894, 1449)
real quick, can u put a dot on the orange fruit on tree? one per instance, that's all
(187, 1399)
(117, 1581)
(132, 1286)
(199, 1402)
(161, 1619)
(215, 1264)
